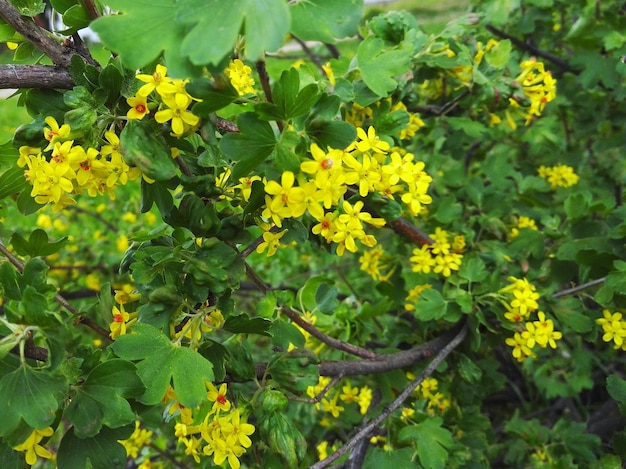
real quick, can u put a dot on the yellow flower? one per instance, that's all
(218, 397)
(176, 112)
(559, 175)
(240, 77)
(121, 321)
(271, 242)
(329, 73)
(158, 80)
(140, 438)
(32, 448)
(138, 107)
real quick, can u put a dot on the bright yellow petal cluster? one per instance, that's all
(559, 175)
(614, 328)
(63, 169)
(438, 257)
(522, 222)
(375, 263)
(348, 395)
(222, 433)
(367, 165)
(240, 76)
(32, 447)
(172, 98)
(139, 438)
(122, 320)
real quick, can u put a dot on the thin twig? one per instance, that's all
(578, 288)
(403, 396)
(264, 78)
(314, 58)
(311, 329)
(96, 216)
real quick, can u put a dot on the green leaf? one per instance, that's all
(31, 395)
(285, 333)
(102, 450)
(498, 56)
(29, 7)
(326, 298)
(296, 369)
(143, 146)
(378, 67)
(283, 438)
(160, 363)
(8, 155)
(616, 388)
(242, 324)
(37, 244)
(289, 100)
(34, 308)
(379, 458)
(216, 25)
(251, 146)
(141, 30)
(12, 182)
(473, 270)
(470, 127)
(430, 306)
(333, 134)
(447, 210)
(325, 20)
(432, 441)
(307, 294)
(213, 98)
(576, 320)
(101, 399)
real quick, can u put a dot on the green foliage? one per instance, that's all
(220, 254)
(160, 363)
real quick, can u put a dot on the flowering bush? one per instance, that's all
(405, 250)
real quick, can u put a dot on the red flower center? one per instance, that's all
(118, 318)
(140, 108)
(221, 399)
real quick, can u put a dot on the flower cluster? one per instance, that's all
(173, 101)
(414, 295)
(614, 328)
(559, 175)
(240, 77)
(522, 222)
(538, 86)
(427, 390)
(32, 445)
(222, 432)
(441, 257)
(139, 438)
(376, 264)
(349, 394)
(122, 319)
(366, 166)
(204, 319)
(63, 169)
(519, 309)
